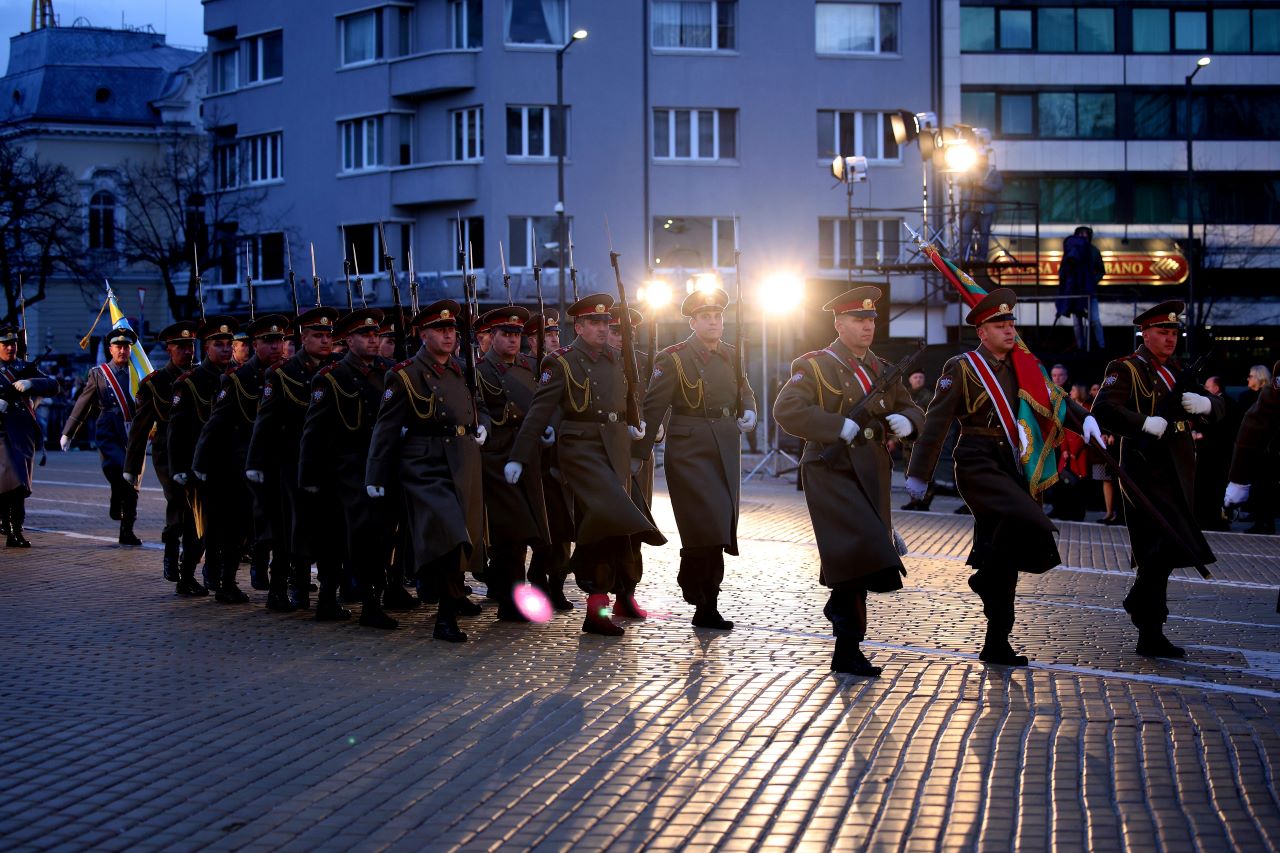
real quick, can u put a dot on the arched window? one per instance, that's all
(102, 221)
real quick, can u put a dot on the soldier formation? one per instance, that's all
(384, 474)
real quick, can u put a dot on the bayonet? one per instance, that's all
(573, 270)
(315, 279)
(401, 341)
(506, 277)
(248, 277)
(195, 266)
(346, 266)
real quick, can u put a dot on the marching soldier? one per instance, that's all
(334, 450)
(1152, 407)
(427, 439)
(396, 598)
(516, 519)
(1011, 532)
(154, 403)
(272, 459)
(584, 385)
(106, 395)
(627, 580)
(20, 383)
(193, 396)
(848, 499)
(219, 459)
(696, 381)
(549, 564)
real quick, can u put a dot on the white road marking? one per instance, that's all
(89, 485)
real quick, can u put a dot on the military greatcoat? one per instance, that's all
(849, 500)
(1259, 433)
(588, 391)
(515, 514)
(704, 446)
(19, 429)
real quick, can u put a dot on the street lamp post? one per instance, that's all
(1191, 255)
(561, 237)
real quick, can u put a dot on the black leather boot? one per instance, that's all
(396, 597)
(187, 583)
(849, 659)
(373, 616)
(126, 533)
(447, 623)
(708, 616)
(260, 567)
(300, 586)
(327, 607)
(1153, 643)
(172, 560)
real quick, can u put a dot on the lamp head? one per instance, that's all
(1203, 61)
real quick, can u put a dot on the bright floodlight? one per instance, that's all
(706, 282)
(1203, 61)
(781, 292)
(579, 34)
(656, 293)
(959, 157)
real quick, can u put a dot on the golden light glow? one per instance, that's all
(705, 282)
(959, 157)
(781, 292)
(655, 293)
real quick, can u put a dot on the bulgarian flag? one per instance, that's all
(1041, 404)
(139, 364)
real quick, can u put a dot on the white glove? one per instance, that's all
(849, 431)
(1195, 404)
(200, 475)
(375, 491)
(512, 471)
(916, 488)
(311, 490)
(255, 476)
(22, 386)
(548, 436)
(4, 406)
(899, 425)
(1090, 431)
(1236, 495)
(1155, 425)
(64, 442)
(180, 479)
(637, 433)
(660, 434)
(747, 422)
(131, 479)
(481, 434)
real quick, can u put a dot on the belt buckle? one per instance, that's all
(1182, 426)
(460, 430)
(613, 417)
(724, 412)
(868, 433)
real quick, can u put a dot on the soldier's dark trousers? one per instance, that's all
(13, 508)
(846, 607)
(701, 573)
(446, 574)
(368, 545)
(996, 586)
(595, 565)
(629, 572)
(232, 528)
(1147, 602)
(506, 570)
(549, 564)
(123, 494)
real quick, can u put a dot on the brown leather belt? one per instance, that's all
(597, 417)
(983, 432)
(438, 431)
(708, 414)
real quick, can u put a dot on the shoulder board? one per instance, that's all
(326, 370)
(814, 354)
(383, 363)
(183, 377)
(561, 351)
(273, 368)
(675, 347)
(144, 380)
(525, 361)
(401, 365)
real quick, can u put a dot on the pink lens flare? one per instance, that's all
(532, 603)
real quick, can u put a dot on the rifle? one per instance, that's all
(413, 285)
(293, 289)
(346, 268)
(248, 277)
(738, 369)
(573, 271)
(22, 308)
(832, 452)
(506, 277)
(315, 279)
(1188, 381)
(540, 337)
(195, 266)
(402, 346)
(467, 330)
(628, 338)
(355, 260)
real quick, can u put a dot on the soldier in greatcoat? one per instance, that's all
(154, 403)
(584, 385)
(1011, 532)
(223, 446)
(428, 438)
(848, 500)
(695, 380)
(107, 396)
(193, 396)
(1153, 408)
(630, 573)
(20, 383)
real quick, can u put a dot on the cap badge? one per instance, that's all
(515, 319)
(445, 314)
(274, 327)
(186, 333)
(600, 309)
(1004, 308)
(224, 329)
(867, 305)
(1173, 317)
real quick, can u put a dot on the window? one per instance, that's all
(536, 22)
(264, 155)
(535, 240)
(695, 134)
(1064, 115)
(1015, 29)
(857, 27)
(224, 77)
(226, 166)
(361, 144)
(848, 134)
(1150, 30)
(265, 254)
(1230, 30)
(695, 24)
(404, 32)
(472, 238)
(1016, 115)
(874, 242)
(266, 57)
(692, 243)
(1190, 30)
(361, 37)
(102, 221)
(533, 132)
(465, 22)
(1251, 114)
(977, 29)
(468, 138)
(1159, 30)
(1266, 30)
(1067, 199)
(405, 149)
(1054, 29)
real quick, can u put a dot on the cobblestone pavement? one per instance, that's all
(136, 719)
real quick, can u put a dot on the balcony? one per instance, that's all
(220, 16)
(435, 73)
(434, 183)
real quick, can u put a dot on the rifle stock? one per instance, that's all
(832, 452)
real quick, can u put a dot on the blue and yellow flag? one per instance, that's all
(139, 364)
